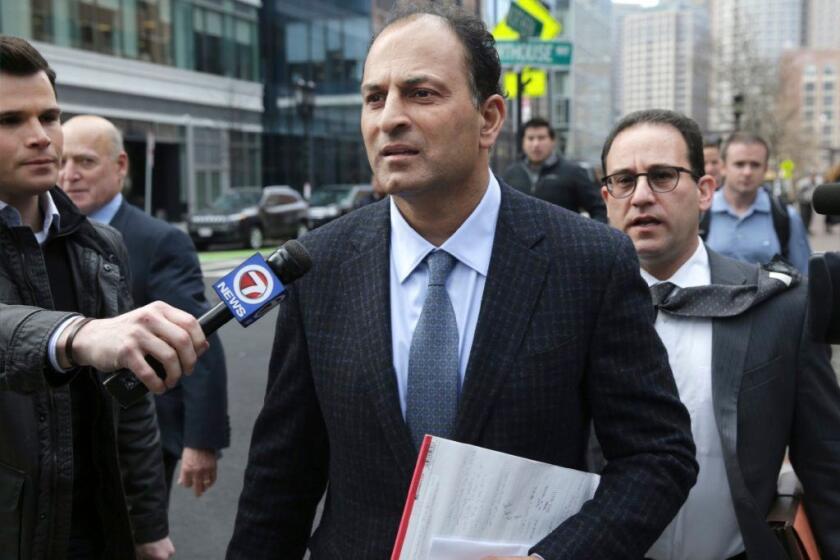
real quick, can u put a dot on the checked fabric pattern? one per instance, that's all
(432, 397)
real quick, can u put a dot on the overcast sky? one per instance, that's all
(642, 2)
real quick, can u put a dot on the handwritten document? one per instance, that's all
(466, 501)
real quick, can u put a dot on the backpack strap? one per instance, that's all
(781, 223)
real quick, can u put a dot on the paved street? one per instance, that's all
(202, 527)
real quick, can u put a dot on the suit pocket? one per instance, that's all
(545, 356)
(11, 491)
(762, 374)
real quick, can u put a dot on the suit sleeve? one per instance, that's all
(815, 443)
(174, 276)
(287, 464)
(644, 429)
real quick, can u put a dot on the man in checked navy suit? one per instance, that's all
(540, 326)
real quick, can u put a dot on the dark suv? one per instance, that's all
(248, 216)
(331, 201)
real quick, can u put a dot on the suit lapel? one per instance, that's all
(514, 281)
(366, 285)
(730, 341)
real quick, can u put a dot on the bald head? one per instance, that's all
(94, 164)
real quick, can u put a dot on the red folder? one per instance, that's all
(412, 497)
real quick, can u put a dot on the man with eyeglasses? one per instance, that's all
(749, 375)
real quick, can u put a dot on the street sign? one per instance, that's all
(534, 53)
(787, 167)
(534, 80)
(523, 23)
(527, 19)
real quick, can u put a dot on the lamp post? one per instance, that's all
(738, 109)
(305, 104)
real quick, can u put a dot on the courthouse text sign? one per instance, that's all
(534, 53)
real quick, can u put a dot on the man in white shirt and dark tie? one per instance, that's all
(750, 377)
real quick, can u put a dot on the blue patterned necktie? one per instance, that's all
(433, 379)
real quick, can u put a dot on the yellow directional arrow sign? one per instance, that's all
(528, 16)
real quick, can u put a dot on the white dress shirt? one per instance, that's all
(706, 526)
(471, 245)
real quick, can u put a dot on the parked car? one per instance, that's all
(248, 216)
(331, 201)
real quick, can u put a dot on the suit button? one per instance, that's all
(42, 418)
(43, 516)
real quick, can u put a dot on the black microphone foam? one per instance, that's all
(823, 295)
(289, 262)
(826, 199)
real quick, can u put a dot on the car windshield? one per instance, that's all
(327, 196)
(233, 201)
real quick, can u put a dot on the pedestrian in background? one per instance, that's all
(164, 266)
(545, 174)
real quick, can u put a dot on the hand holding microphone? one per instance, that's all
(247, 292)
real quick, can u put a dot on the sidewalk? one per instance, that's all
(822, 241)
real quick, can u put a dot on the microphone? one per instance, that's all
(247, 292)
(823, 297)
(826, 199)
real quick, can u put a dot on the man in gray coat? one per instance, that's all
(79, 476)
(753, 381)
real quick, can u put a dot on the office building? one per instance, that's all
(179, 77)
(665, 60)
(748, 37)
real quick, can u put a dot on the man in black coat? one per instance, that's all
(80, 477)
(192, 416)
(543, 173)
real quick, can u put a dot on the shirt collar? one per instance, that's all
(106, 213)
(694, 272)
(760, 204)
(471, 244)
(52, 219)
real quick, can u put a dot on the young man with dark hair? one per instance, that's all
(746, 222)
(80, 477)
(545, 174)
(461, 308)
(753, 381)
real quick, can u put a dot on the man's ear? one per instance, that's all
(493, 112)
(706, 189)
(122, 164)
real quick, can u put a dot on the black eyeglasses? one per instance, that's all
(660, 178)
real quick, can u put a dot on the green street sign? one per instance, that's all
(523, 23)
(534, 53)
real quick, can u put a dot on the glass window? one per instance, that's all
(98, 25)
(208, 41)
(154, 31)
(42, 20)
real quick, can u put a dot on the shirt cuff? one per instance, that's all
(53, 344)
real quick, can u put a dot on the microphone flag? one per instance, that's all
(250, 290)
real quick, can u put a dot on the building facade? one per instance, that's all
(179, 77)
(665, 60)
(811, 93)
(822, 17)
(748, 38)
(320, 46)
